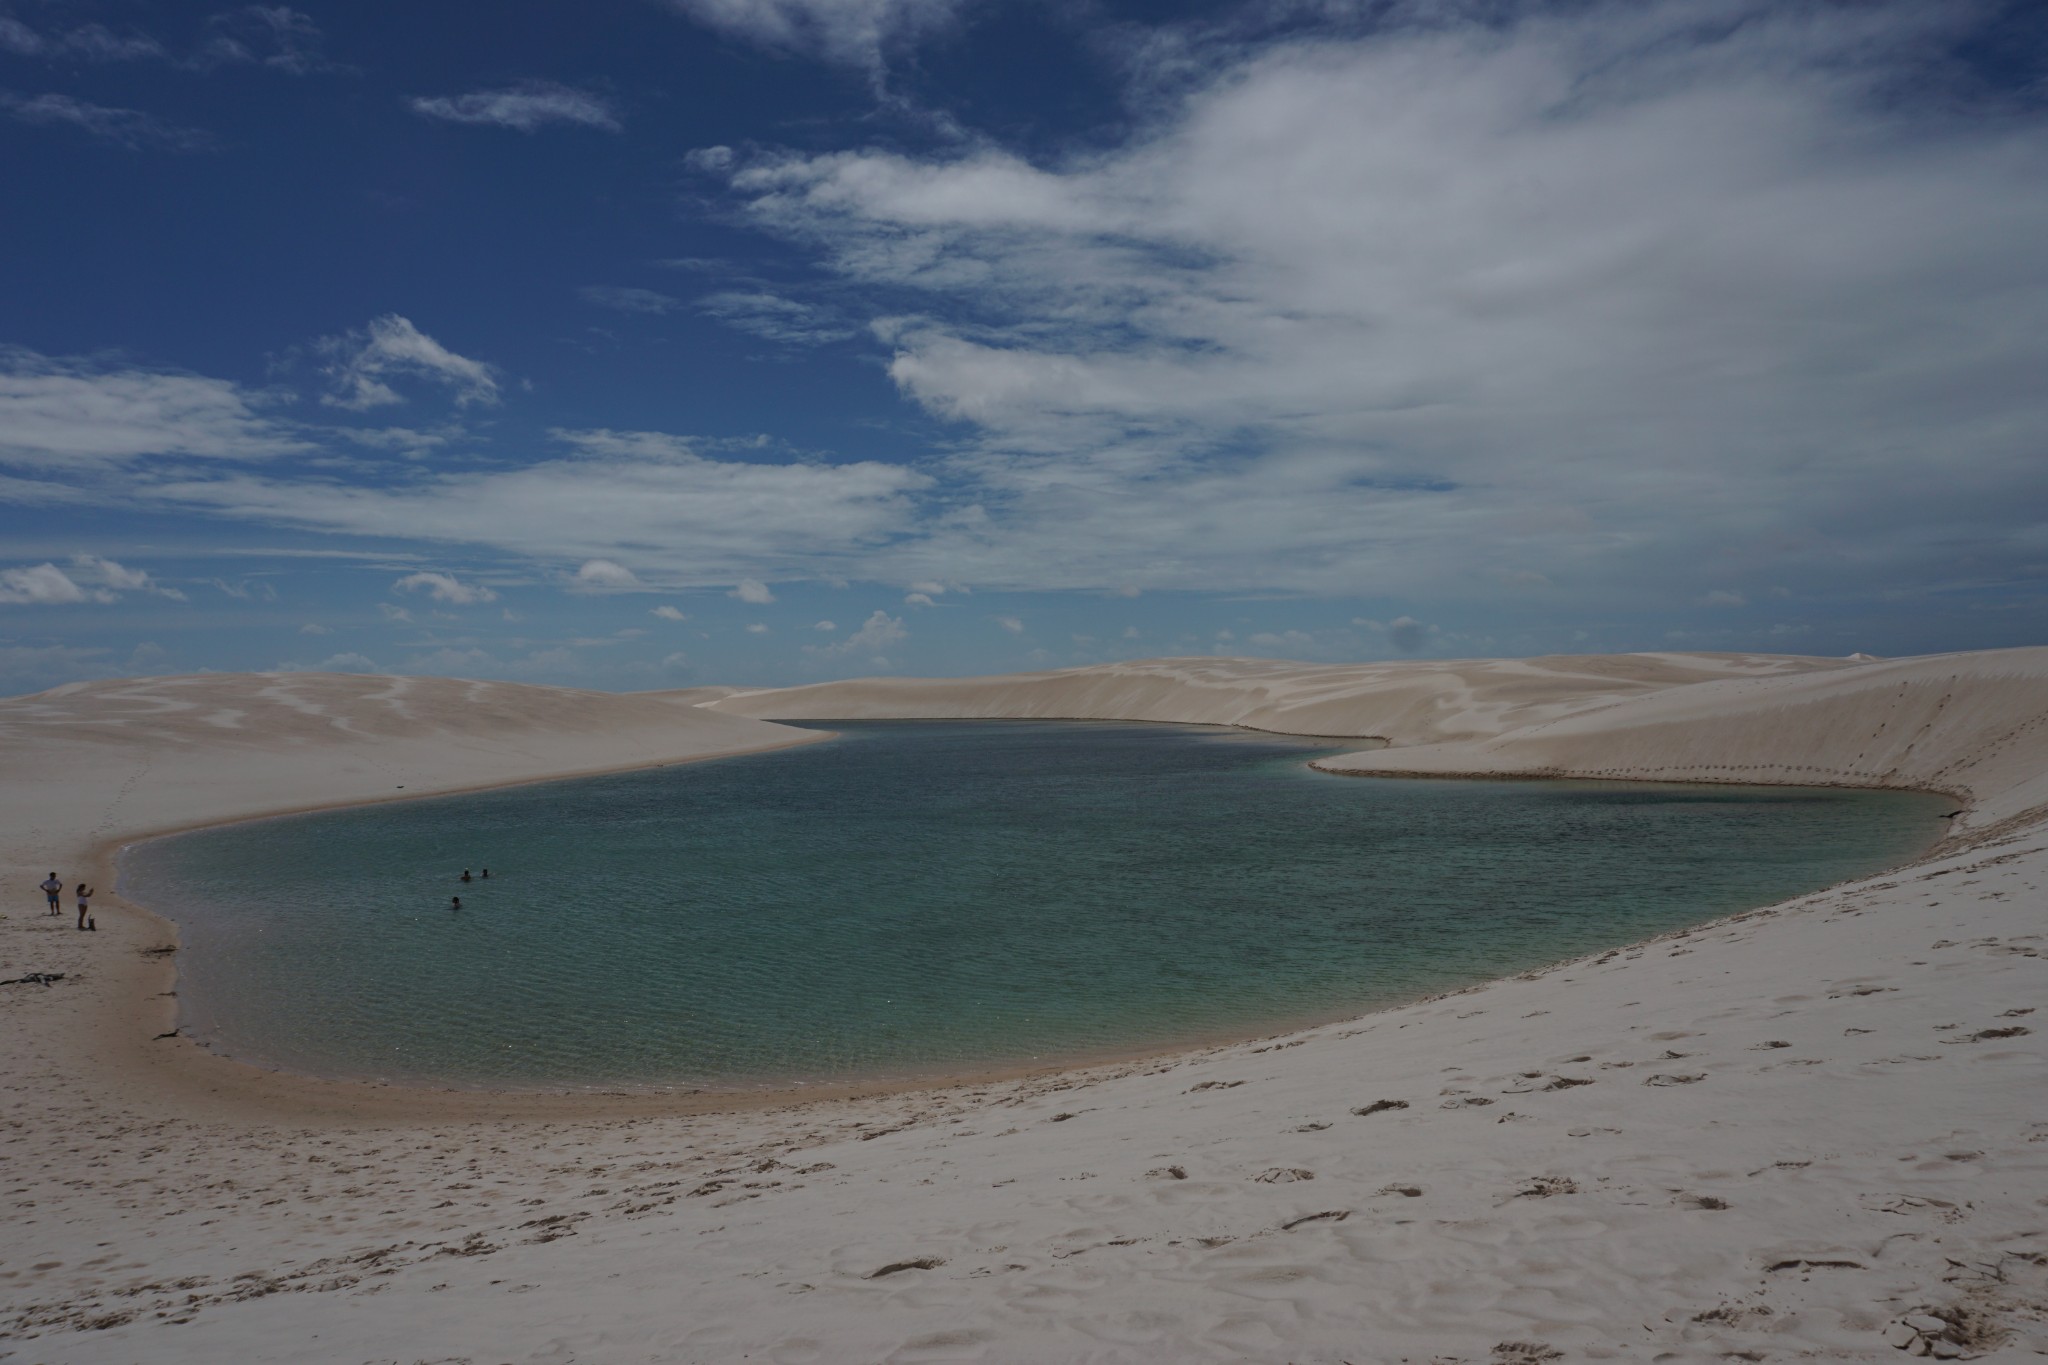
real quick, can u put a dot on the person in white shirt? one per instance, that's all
(53, 891)
(84, 904)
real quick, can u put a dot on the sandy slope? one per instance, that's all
(1769, 1138)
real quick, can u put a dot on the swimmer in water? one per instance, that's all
(455, 902)
(487, 874)
(465, 874)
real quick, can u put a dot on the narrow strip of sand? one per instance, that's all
(1812, 1130)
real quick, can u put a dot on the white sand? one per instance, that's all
(1802, 1126)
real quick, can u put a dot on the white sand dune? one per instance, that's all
(1813, 1132)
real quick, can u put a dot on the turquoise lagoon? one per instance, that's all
(922, 897)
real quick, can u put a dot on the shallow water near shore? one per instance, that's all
(921, 897)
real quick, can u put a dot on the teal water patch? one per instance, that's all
(922, 896)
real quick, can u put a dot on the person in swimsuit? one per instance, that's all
(53, 890)
(84, 903)
(465, 874)
(455, 902)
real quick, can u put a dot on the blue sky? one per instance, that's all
(645, 343)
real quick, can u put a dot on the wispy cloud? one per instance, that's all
(130, 128)
(361, 362)
(850, 32)
(624, 298)
(527, 107)
(87, 42)
(775, 318)
(273, 36)
(61, 413)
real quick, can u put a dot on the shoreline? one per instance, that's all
(429, 1102)
(1807, 1129)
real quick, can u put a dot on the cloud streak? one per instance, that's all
(527, 108)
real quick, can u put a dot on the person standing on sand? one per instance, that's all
(53, 891)
(84, 903)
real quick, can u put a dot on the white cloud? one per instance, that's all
(273, 36)
(1591, 294)
(130, 128)
(753, 590)
(599, 574)
(118, 578)
(526, 107)
(756, 628)
(92, 579)
(87, 42)
(314, 628)
(877, 634)
(247, 590)
(391, 611)
(775, 318)
(918, 599)
(349, 662)
(628, 298)
(689, 520)
(850, 32)
(1011, 624)
(362, 362)
(1723, 597)
(447, 588)
(668, 613)
(929, 588)
(45, 585)
(825, 626)
(67, 412)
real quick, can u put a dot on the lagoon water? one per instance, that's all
(919, 897)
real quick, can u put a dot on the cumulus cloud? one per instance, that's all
(918, 599)
(668, 613)
(599, 574)
(753, 590)
(827, 626)
(130, 128)
(44, 585)
(526, 107)
(878, 634)
(756, 628)
(361, 362)
(91, 579)
(447, 588)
